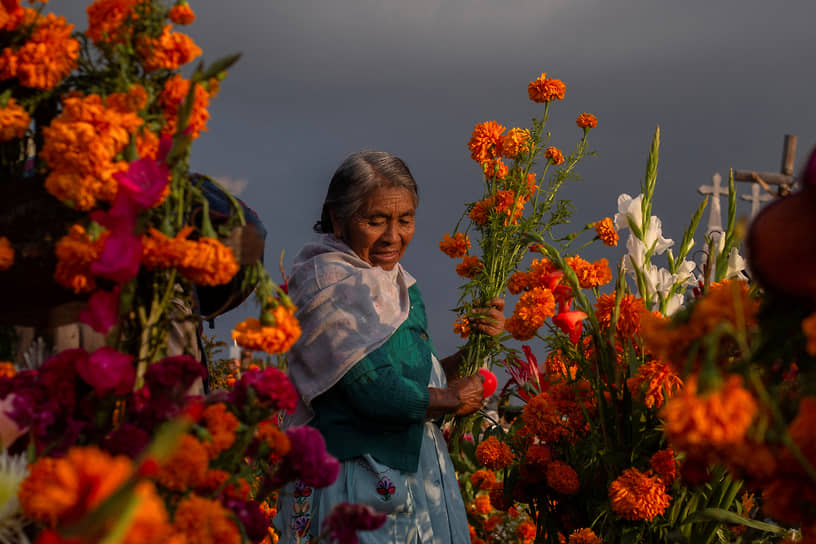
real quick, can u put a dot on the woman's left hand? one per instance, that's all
(491, 319)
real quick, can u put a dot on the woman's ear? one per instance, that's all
(337, 229)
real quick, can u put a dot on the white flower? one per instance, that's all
(628, 207)
(13, 470)
(736, 264)
(653, 237)
(674, 304)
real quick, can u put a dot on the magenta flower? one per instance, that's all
(346, 519)
(108, 371)
(273, 389)
(102, 311)
(121, 217)
(251, 516)
(307, 460)
(144, 182)
(120, 258)
(523, 371)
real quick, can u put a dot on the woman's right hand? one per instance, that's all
(470, 391)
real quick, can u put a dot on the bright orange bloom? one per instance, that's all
(14, 121)
(591, 275)
(631, 309)
(485, 142)
(75, 253)
(483, 479)
(62, 490)
(209, 262)
(216, 481)
(252, 335)
(106, 20)
(533, 307)
(586, 120)
(221, 424)
(532, 187)
(491, 523)
(49, 55)
(562, 478)
(636, 496)
(481, 504)
(6, 253)
(169, 51)
(518, 282)
(514, 142)
(495, 168)
(171, 98)
(584, 536)
(455, 247)
(182, 14)
(809, 328)
(664, 465)
(480, 213)
(606, 232)
(462, 327)
(274, 438)
(543, 90)
(470, 267)
(7, 370)
(558, 413)
(713, 419)
(494, 454)
(205, 521)
(186, 467)
(526, 531)
(651, 381)
(132, 101)
(11, 15)
(554, 154)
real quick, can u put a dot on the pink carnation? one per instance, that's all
(346, 519)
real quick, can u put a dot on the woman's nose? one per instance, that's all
(390, 234)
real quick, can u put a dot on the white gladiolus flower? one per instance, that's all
(736, 264)
(628, 207)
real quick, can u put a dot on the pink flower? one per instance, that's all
(102, 311)
(570, 323)
(120, 257)
(346, 519)
(108, 371)
(523, 371)
(144, 182)
(121, 217)
(307, 460)
(272, 388)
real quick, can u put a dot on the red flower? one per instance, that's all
(570, 323)
(108, 371)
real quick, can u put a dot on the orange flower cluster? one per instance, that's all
(714, 419)
(539, 270)
(809, 328)
(605, 229)
(494, 454)
(205, 521)
(584, 536)
(455, 247)
(664, 464)
(486, 140)
(107, 18)
(75, 253)
(481, 504)
(221, 425)
(586, 120)
(526, 531)
(11, 15)
(470, 267)
(215, 481)
(46, 58)
(252, 335)
(532, 309)
(6, 253)
(517, 140)
(182, 14)
(169, 51)
(80, 149)
(651, 381)
(132, 101)
(543, 90)
(533, 468)
(562, 478)
(554, 155)
(558, 413)
(186, 467)
(14, 121)
(589, 274)
(171, 98)
(637, 496)
(275, 439)
(7, 369)
(503, 202)
(205, 261)
(462, 327)
(484, 479)
(630, 312)
(495, 168)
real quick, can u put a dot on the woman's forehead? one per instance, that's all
(390, 200)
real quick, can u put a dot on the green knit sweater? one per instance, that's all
(379, 406)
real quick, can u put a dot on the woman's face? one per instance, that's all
(383, 228)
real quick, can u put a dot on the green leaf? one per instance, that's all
(725, 516)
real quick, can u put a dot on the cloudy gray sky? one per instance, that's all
(724, 79)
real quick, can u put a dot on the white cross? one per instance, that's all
(757, 197)
(714, 215)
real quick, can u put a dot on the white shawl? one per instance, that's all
(347, 308)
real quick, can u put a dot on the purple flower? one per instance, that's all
(346, 519)
(127, 439)
(102, 312)
(173, 375)
(252, 518)
(108, 371)
(120, 257)
(144, 182)
(307, 460)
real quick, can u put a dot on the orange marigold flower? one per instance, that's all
(534, 467)
(543, 90)
(147, 145)
(49, 55)
(171, 98)
(480, 212)
(455, 247)
(14, 121)
(462, 327)
(713, 419)
(483, 479)
(606, 231)
(802, 427)
(562, 478)
(132, 101)
(558, 413)
(181, 14)
(107, 18)
(491, 523)
(809, 328)
(485, 142)
(636, 496)
(494, 454)
(208, 262)
(221, 424)
(520, 330)
(11, 14)
(216, 481)
(514, 142)
(251, 334)
(186, 467)
(6, 253)
(651, 381)
(526, 530)
(470, 267)
(495, 168)
(62, 490)
(205, 521)
(7, 370)
(75, 252)
(150, 521)
(589, 275)
(554, 154)
(631, 309)
(532, 309)
(169, 51)
(584, 536)
(481, 504)
(664, 465)
(518, 282)
(586, 120)
(275, 439)
(532, 187)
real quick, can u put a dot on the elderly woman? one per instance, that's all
(366, 371)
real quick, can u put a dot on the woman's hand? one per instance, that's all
(471, 394)
(491, 319)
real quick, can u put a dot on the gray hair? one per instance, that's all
(356, 178)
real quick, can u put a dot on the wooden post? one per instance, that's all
(783, 180)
